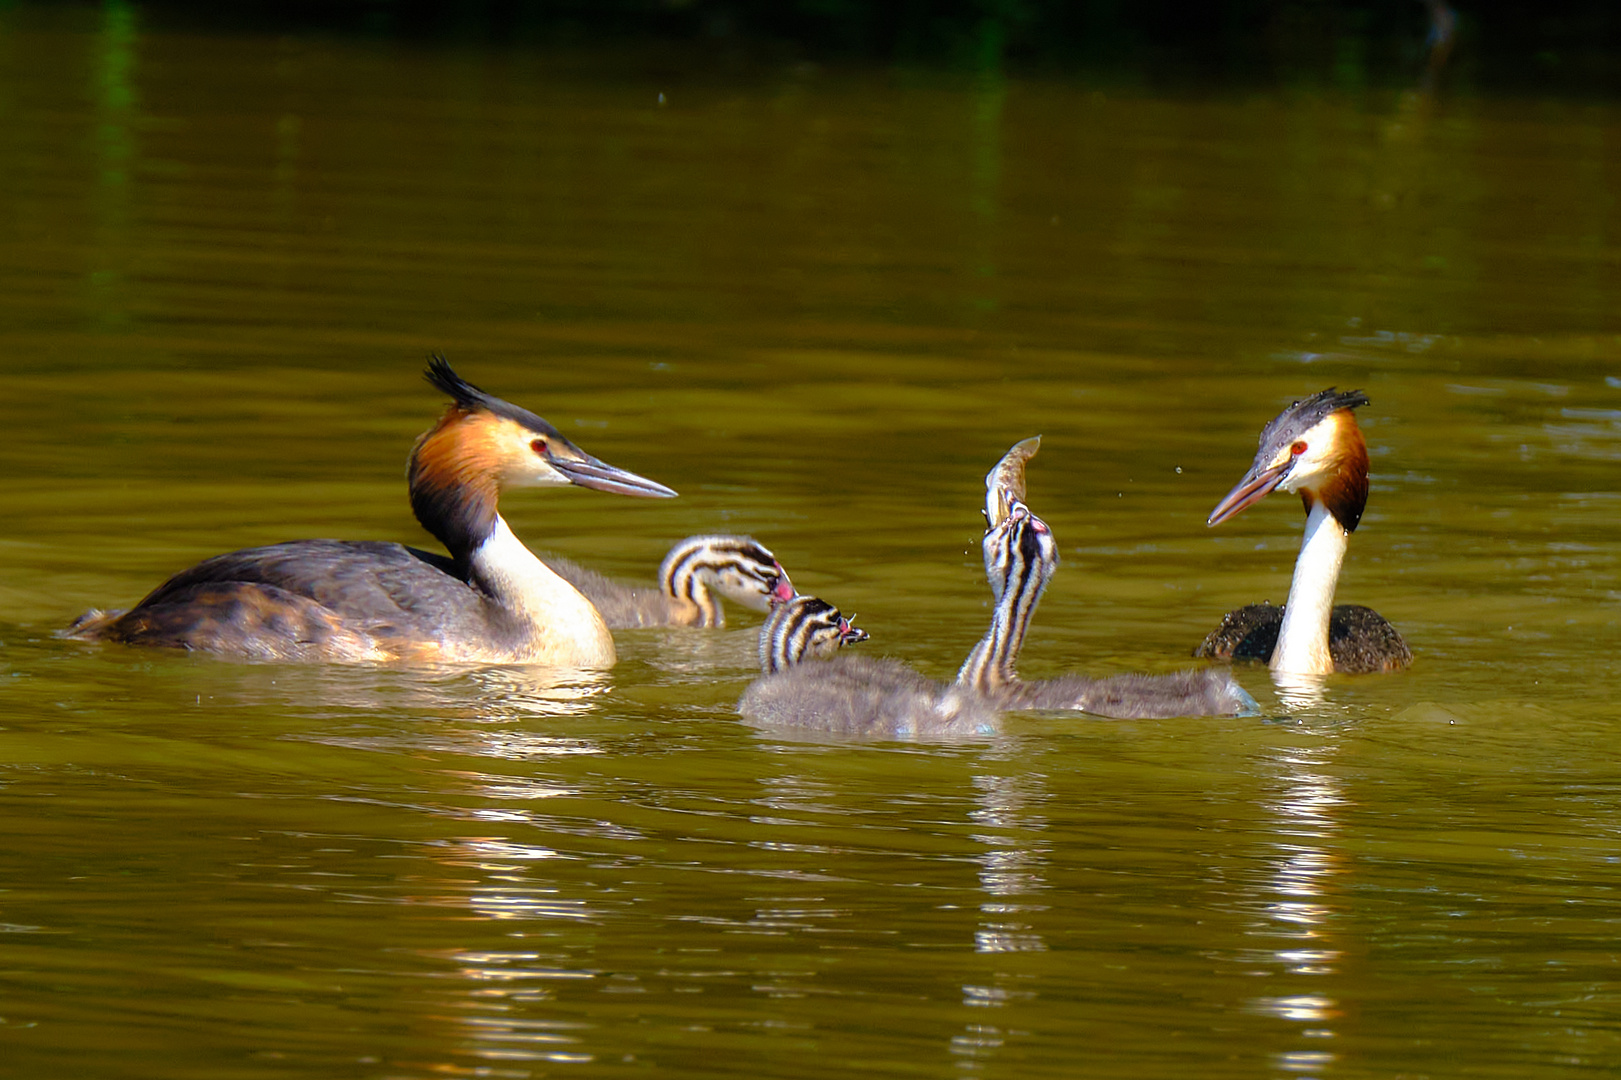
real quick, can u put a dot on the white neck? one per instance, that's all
(1303, 639)
(565, 629)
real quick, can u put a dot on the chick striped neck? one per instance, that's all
(1019, 567)
(694, 567)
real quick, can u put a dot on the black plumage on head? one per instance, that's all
(471, 399)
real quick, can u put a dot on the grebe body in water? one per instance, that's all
(489, 601)
(1313, 447)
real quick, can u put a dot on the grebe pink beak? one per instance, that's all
(588, 472)
(783, 590)
(1016, 511)
(849, 634)
(1257, 484)
(1314, 447)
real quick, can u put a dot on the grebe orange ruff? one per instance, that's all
(490, 601)
(1313, 447)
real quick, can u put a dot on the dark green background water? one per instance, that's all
(820, 305)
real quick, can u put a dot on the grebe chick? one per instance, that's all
(490, 601)
(805, 686)
(1313, 447)
(1017, 563)
(864, 697)
(804, 628)
(694, 576)
(1020, 558)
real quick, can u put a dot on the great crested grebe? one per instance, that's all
(1313, 447)
(491, 601)
(869, 697)
(693, 577)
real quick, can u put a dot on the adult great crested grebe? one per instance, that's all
(490, 601)
(879, 698)
(693, 577)
(1313, 447)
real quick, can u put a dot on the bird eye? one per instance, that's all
(1297, 449)
(538, 446)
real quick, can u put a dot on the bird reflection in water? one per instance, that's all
(480, 712)
(494, 1002)
(494, 1019)
(1296, 903)
(1300, 692)
(1010, 876)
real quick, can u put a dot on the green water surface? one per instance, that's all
(819, 304)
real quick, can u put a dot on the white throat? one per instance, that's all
(1303, 639)
(565, 629)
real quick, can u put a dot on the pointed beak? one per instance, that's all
(849, 635)
(1004, 484)
(1255, 486)
(588, 472)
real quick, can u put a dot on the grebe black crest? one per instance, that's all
(489, 601)
(693, 578)
(877, 698)
(1315, 448)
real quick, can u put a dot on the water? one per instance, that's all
(820, 304)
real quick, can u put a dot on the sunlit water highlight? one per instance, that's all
(820, 305)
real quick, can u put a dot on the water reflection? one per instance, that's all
(493, 695)
(913, 272)
(483, 712)
(1298, 902)
(1010, 875)
(493, 1003)
(497, 991)
(1298, 692)
(688, 655)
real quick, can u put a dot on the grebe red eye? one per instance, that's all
(1297, 449)
(538, 446)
